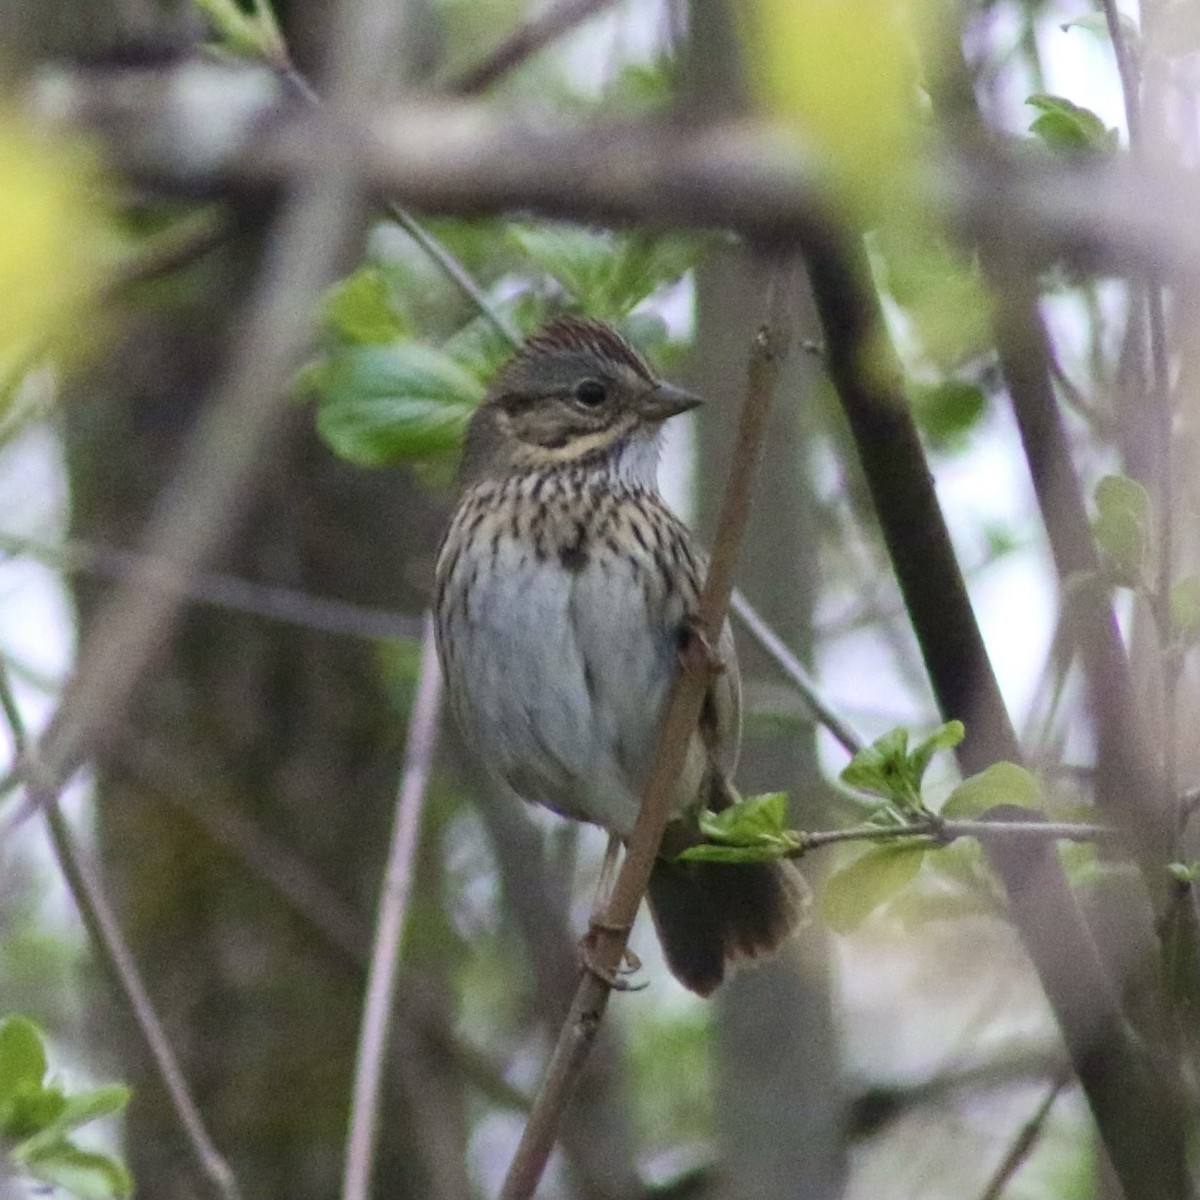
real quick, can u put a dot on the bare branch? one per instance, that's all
(467, 159)
(1146, 1150)
(680, 715)
(537, 33)
(389, 930)
(773, 645)
(941, 832)
(1024, 1142)
(272, 601)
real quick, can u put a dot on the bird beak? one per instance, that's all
(667, 401)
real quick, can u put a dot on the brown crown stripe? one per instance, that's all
(574, 333)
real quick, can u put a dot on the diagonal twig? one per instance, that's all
(534, 35)
(769, 641)
(1025, 1141)
(393, 906)
(680, 715)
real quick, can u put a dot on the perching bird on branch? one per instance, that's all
(565, 591)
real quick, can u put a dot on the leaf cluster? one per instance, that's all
(38, 1117)
(388, 392)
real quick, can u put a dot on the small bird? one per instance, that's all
(565, 591)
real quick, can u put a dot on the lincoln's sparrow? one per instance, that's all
(565, 588)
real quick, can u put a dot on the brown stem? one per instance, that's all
(1024, 1142)
(680, 716)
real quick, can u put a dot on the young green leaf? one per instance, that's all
(22, 1059)
(747, 822)
(84, 1173)
(761, 851)
(1187, 873)
(74, 1111)
(869, 882)
(1001, 783)
(888, 769)
(386, 404)
(1068, 128)
(879, 768)
(944, 737)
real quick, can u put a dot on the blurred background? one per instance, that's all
(235, 794)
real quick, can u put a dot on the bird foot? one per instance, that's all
(630, 963)
(696, 652)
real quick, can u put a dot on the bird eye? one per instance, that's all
(591, 392)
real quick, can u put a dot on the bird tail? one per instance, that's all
(713, 915)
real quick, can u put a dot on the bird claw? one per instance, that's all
(630, 963)
(695, 650)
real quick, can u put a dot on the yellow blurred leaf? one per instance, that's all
(56, 230)
(845, 74)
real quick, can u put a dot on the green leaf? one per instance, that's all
(83, 1173)
(386, 404)
(747, 822)
(607, 274)
(31, 1110)
(1185, 609)
(1122, 529)
(254, 35)
(75, 1111)
(22, 1058)
(888, 769)
(879, 768)
(871, 880)
(762, 851)
(944, 737)
(948, 411)
(1001, 783)
(1184, 872)
(361, 309)
(1068, 128)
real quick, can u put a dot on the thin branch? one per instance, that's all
(777, 648)
(458, 158)
(1136, 1115)
(221, 590)
(455, 272)
(680, 715)
(1160, 412)
(534, 35)
(110, 948)
(389, 930)
(942, 832)
(446, 262)
(1024, 1142)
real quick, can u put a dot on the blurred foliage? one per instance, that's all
(38, 1117)
(386, 394)
(670, 1054)
(58, 239)
(845, 77)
